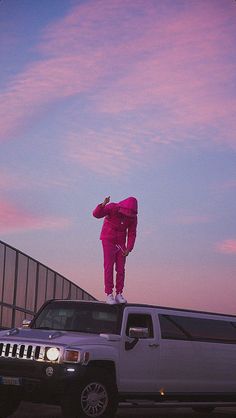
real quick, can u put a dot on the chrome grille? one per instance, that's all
(22, 351)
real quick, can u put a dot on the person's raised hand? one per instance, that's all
(106, 200)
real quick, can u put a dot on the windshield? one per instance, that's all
(79, 317)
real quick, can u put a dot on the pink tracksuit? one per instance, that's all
(118, 234)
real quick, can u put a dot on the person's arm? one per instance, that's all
(131, 236)
(101, 210)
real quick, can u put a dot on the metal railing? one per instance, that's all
(25, 284)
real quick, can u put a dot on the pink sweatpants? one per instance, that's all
(113, 256)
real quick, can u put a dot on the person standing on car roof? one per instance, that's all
(118, 236)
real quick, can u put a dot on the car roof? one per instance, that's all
(141, 305)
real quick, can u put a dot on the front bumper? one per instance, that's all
(39, 381)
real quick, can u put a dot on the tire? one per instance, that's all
(9, 402)
(203, 409)
(95, 397)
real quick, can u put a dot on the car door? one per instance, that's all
(138, 362)
(180, 362)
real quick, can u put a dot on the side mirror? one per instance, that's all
(136, 333)
(26, 323)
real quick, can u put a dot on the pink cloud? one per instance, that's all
(224, 186)
(107, 152)
(41, 83)
(189, 219)
(70, 64)
(21, 181)
(227, 246)
(15, 219)
(184, 73)
(172, 68)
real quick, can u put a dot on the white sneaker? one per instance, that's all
(110, 299)
(120, 298)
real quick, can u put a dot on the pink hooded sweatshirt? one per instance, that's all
(120, 222)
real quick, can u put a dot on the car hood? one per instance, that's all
(52, 337)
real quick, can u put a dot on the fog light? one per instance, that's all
(52, 353)
(49, 371)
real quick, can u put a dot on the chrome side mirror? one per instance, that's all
(26, 323)
(138, 332)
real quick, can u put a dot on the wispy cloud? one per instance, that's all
(10, 180)
(188, 219)
(16, 219)
(61, 72)
(105, 152)
(227, 185)
(227, 246)
(182, 69)
(42, 83)
(172, 73)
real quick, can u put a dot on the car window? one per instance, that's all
(207, 329)
(79, 317)
(198, 329)
(170, 330)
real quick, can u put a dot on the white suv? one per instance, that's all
(89, 356)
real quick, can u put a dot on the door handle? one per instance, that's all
(154, 345)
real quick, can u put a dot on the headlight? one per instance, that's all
(52, 353)
(72, 356)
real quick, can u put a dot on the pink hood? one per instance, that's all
(128, 206)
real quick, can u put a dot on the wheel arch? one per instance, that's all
(107, 365)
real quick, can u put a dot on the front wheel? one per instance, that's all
(96, 397)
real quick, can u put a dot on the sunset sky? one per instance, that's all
(123, 98)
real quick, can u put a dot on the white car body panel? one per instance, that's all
(162, 366)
